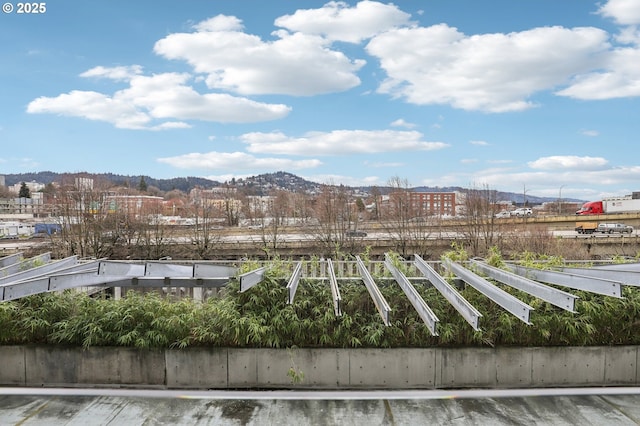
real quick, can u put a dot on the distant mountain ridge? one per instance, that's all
(259, 184)
(181, 183)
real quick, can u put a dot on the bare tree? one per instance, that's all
(480, 228)
(398, 213)
(86, 227)
(268, 214)
(337, 219)
(231, 205)
(154, 235)
(6, 193)
(203, 237)
(376, 201)
(408, 222)
(300, 206)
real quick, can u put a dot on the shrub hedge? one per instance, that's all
(261, 317)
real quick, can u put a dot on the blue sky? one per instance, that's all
(535, 96)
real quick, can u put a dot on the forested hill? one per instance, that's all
(259, 184)
(180, 183)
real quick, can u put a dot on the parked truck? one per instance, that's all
(610, 228)
(628, 204)
(604, 228)
(586, 227)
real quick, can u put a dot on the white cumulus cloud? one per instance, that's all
(122, 73)
(334, 179)
(339, 142)
(402, 123)
(488, 72)
(166, 96)
(337, 21)
(619, 79)
(294, 64)
(235, 161)
(558, 162)
(624, 12)
(92, 106)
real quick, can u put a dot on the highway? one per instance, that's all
(243, 241)
(78, 406)
(242, 236)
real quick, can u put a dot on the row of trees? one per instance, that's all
(93, 226)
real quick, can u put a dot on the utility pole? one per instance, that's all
(560, 200)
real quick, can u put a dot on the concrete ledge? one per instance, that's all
(621, 366)
(393, 368)
(59, 366)
(467, 367)
(560, 366)
(13, 369)
(321, 368)
(197, 368)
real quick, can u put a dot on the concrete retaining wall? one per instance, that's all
(237, 368)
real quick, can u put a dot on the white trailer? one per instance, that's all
(621, 205)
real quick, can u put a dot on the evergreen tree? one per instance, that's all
(142, 186)
(24, 191)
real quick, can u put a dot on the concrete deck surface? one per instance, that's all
(50, 407)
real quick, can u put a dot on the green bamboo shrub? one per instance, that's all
(261, 317)
(8, 322)
(35, 316)
(138, 320)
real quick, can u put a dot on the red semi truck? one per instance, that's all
(612, 205)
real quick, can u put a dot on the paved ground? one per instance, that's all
(597, 406)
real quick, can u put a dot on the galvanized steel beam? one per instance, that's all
(156, 269)
(23, 282)
(427, 315)
(10, 260)
(556, 297)
(460, 304)
(186, 282)
(205, 270)
(121, 269)
(626, 277)
(16, 290)
(81, 279)
(40, 270)
(25, 264)
(635, 266)
(378, 299)
(335, 291)
(508, 302)
(292, 285)
(59, 282)
(249, 279)
(66, 273)
(579, 282)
